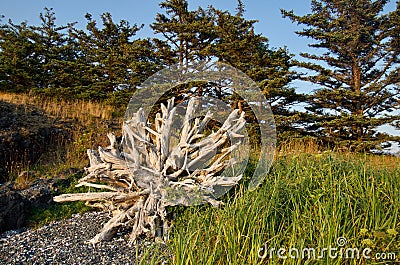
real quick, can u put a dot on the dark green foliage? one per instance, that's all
(63, 61)
(237, 44)
(53, 53)
(214, 34)
(177, 27)
(110, 60)
(357, 73)
(16, 57)
(105, 62)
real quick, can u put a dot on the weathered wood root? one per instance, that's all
(143, 178)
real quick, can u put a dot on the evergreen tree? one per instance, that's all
(237, 44)
(56, 56)
(105, 55)
(18, 64)
(240, 8)
(357, 72)
(395, 44)
(36, 57)
(112, 62)
(187, 32)
(215, 34)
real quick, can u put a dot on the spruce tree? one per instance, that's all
(355, 73)
(105, 55)
(186, 32)
(395, 43)
(37, 58)
(237, 43)
(55, 53)
(219, 35)
(18, 62)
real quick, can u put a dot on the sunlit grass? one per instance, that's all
(306, 201)
(310, 197)
(87, 124)
(83, 111)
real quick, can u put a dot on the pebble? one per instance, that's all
(63, 242)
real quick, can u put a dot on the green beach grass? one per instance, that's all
(306, 201)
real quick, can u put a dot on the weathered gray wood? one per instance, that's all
(153, 166)
(98, 196)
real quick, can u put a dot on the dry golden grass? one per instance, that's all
(80, 110)
(299, 146)
(89, 114)
(310, 146)
(382, 161)
(87, 123)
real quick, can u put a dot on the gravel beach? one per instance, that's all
(63, 242)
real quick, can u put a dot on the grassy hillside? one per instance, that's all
(310, 199)
(86, 122)
(306, 201)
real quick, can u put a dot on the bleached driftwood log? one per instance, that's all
(157, 169)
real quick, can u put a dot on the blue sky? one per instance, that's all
(279, 31)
